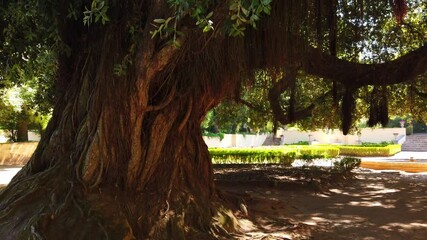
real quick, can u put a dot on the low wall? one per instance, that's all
(372, 135)
(236, 140)
(16, 153)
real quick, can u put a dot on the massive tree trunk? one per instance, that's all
(123, 156)
(151, 179)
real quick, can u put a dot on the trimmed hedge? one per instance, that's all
(362, 151)
(287, 154)
(280, 155)
(313, 152)
(251, 156)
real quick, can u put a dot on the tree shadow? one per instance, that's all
(373, 205)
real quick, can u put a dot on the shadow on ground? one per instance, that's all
(285, 205)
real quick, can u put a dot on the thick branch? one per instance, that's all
(354, 74)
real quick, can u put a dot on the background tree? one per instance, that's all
(8, 120)
(23, 109)
(123, 156)
(27, 67)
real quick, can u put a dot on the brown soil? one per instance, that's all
(274, 203)
(297, 204)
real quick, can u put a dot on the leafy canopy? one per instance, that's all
(355, 31)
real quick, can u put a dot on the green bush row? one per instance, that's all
(363, 151)
(251, 156)
(280, 155)
(381, 144)
(313, 152)
(287, 154)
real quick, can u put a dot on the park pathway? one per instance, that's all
(7, 173)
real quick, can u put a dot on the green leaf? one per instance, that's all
(245, 11)
(234, 6)
(267, 10)
(259, 10)
(254, 18)
(243, 20)
(168, 20)
(176, 44)
(153, 34)
(101, 5)
(105, 19)
(94, 2)
(209, 15)
(207, 28)
(265, 2)
(159, 20)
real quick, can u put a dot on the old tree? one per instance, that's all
(123, 156)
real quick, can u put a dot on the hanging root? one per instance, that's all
(348, 104)
(378, 106)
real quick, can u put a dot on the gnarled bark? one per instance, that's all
(123, 156)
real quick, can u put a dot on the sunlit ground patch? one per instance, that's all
(7, 173)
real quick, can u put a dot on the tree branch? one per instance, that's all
(353, 74)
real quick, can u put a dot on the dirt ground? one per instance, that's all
(274, 203)
(280, 203)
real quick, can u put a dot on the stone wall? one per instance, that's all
(16, 153)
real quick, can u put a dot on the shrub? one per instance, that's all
(409, 130)
(382, 144)
(301, 143)
(280, 155)
(361, 151)
(313, 152)
(251, 156)
(347, 164)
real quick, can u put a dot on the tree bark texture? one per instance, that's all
(22, 131)
(123, 156)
